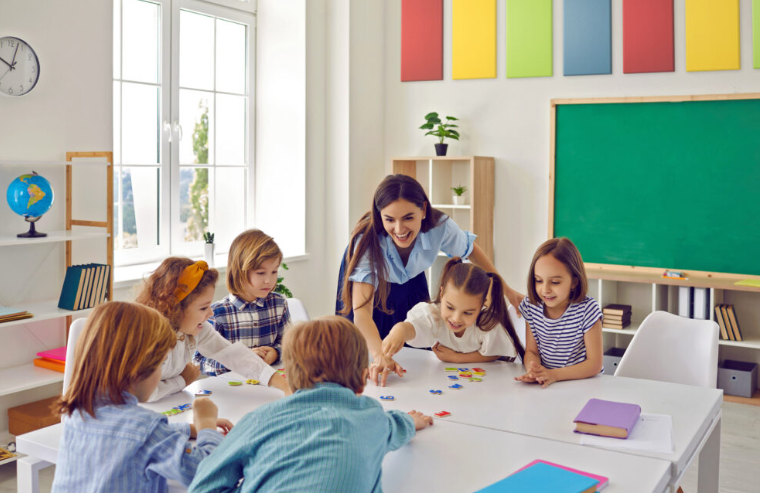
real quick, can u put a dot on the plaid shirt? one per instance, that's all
(258, 323)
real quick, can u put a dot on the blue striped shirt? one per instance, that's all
(560, 342)
(127, 448)
(320, 440)
(261, 322)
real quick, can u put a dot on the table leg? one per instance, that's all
(709, 463)
(28, 474)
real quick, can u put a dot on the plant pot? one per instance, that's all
(458, 200)
(208, 253)
(440, 149)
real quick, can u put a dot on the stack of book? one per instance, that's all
(725, 315)
(607, 418)
(10, 314)
(546, 477)
(84, 286)
(54, 359)
(616, 316)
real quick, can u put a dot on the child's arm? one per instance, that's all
(450, 356)
(403, 427)
(590, 367)
(399, 334)
(532, 358)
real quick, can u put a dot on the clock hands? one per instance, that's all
(13, 62)
(11, 66)
(6, 73)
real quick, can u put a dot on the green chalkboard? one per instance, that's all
(661, 184)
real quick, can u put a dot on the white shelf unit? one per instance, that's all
(25, 377)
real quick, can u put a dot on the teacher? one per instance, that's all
(382, 275)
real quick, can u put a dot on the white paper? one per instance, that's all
(652, 433)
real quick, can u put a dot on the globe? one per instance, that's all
(30, 196)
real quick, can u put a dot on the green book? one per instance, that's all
(71, 290)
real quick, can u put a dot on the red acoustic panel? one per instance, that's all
(421, 40)
(647, 36)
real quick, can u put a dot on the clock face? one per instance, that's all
(19, 67)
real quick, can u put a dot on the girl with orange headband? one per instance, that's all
(182, 290)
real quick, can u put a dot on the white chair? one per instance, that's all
(297, 310)
(673, 349)
(74, 330)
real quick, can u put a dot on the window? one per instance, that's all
(183, 126)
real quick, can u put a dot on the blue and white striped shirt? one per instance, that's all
(560, 342)
(320, 440)
(261, 322)
(127, 448)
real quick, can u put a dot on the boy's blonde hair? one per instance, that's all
(122, 343)
(566, 252)
(248, 251)
(327, 349)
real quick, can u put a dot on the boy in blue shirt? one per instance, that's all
(325, 437)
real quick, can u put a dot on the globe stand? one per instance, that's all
(32, 233)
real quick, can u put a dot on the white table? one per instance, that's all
(501, 403)
(463, 452)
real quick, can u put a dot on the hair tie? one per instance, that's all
(189, 279)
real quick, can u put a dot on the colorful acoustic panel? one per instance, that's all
(712, 35)
(587, 37)
(756, 33)
(421, 40)
(473, 39)
(648, 36)
(529, 38)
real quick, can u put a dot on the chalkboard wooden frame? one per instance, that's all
(632, 272)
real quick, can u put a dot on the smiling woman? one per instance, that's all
(382, 275)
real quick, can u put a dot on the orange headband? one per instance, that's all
(189, 279)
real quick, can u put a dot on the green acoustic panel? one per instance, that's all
(666, 184)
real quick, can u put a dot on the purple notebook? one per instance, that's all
(608, 413)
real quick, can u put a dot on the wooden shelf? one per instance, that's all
(437, 158)
(51, 164)
(696, 281)
(754, 400)
(42, 310)
(25, 377)
(628, 331)
(52, 236)
(452, 206)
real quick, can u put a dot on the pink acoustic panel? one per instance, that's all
(647, 36)
(421, 40)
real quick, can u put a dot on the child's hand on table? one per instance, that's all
(268, 354)
(190, 373)
(420, 420)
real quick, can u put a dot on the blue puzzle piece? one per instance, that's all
(455, 386)
(387, 397)
(463, 369)
(436, 392)
(453, 377)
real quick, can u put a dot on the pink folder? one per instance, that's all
(57, 354)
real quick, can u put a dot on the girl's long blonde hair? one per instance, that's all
(121, 344)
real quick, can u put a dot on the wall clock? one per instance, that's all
(19, 67)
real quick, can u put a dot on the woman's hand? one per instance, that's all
(515, 299)
(382, 366)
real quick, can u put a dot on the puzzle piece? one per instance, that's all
(479, 373)
(183, 407)
(387, 397)
(476, 379)
(252, 382)
(443, 414)
(465, 375)
(463, 369)
(455, 386)
(479, 369)
(234, 383)
(202, 393)
(448, 368)
(453, 377)
(436, 392)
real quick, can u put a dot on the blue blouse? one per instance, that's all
(447, 237)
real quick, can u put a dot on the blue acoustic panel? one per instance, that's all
(587, 37)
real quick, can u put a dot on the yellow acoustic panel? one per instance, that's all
(474, 39)
(712, 35)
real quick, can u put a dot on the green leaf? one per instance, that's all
(451, 118)
(452, 126)
(432, 132)
(427, 126)
(284, 266)
(453, 132)
(435, 121)
(455, 137)
(431, 115)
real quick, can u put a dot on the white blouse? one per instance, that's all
(211, 344)
(429, 328)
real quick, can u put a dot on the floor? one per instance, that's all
(739, 456)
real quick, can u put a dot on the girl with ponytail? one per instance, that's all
(459, 325)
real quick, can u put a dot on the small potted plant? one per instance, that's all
(458, 192)
(442, 132)
(208, 253)
(280, 287)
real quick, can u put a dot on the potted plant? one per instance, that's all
(208, 253)
(458, 192)
(280, 287)
(442, 132)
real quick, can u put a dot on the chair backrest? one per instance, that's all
(297, 310)
(674, 349)
(74, 331)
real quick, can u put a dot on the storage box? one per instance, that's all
(611, 359)
(737, 377)
(32, 416)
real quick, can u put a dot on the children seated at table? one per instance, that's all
(459, 325)
(564, 325)
(182, 290)
(326, 437)
(109, 443)
(252, 313)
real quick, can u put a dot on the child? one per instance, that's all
(252, 313)
(457, 324)
(182, 290)
(109, 443)
(563, 325)
(325, 437)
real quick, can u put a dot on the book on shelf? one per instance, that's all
(545, 477)
(615, 309)
(727, 321)
(49, 364)
(615, 325)
(701, 304)
(84, 286)
(607, 418)
(57, 354)
(617, 318)
(734, 322)
(721, 323)
(684, 301)
(11, 314)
